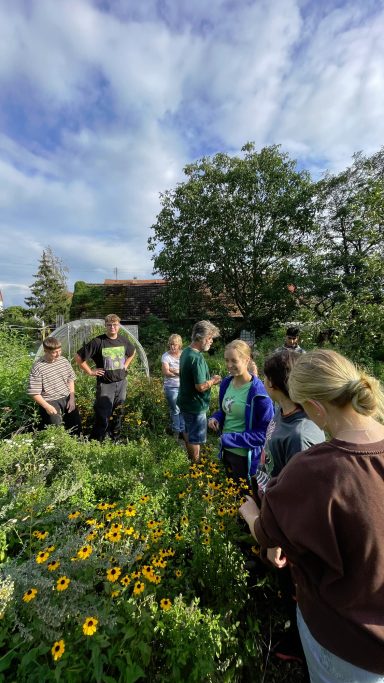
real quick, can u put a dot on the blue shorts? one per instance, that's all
(196, 427)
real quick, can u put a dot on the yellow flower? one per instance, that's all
(130, 511)
(205, 528)
(181, 495)
(62, 583)
(113, 574)
(41, 535)
(42, 557)
(221, 511)
(135, 575)
(138, 588)
(113, 536)
(165, 604)
(144, 499)
(221, 526)
(102, 506)
(206, 540)
(91, 536)
(152, 524)
(179, 537)
(178, 573)
(129, 531)
(116, 526)
(52, 566)
(74, 515)
(115, 594)
(84, 552)
(91, 522)
(90, 626)
(125, 581)
(184, 520)
(50, 549)
(58, 649)
(30, 594)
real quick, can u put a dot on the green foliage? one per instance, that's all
(49, 291)
(16, 408)
(87, 301)
(230, 236)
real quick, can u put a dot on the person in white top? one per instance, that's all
(170, 361)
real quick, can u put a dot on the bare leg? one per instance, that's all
(193, 450)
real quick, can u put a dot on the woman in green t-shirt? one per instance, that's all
(245, 410)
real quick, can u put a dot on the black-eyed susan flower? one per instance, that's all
(42, 556)
(221, 511)
(144, 499)
(178, 573)
(138, 588)
(50, 549)
(129, 531)
(205, 528)
(91, 522)
(184, 520)
(113, 574)
(165, 604)
(102, 506)
(41, 535)
(90, 626)
(74, 515)
(62, 583)
(58, 649)
(84, 552)
(53, 565)
(152, 524)
(179, 537)
(125, 581)
(135, 575)
(113, 536)
(30, 594)
(206, 540)
(115, 594)
(91, 536)
(130, 511)
(221, 526)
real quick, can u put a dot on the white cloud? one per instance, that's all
(103, 110)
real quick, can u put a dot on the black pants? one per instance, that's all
(71, 421)
(108, 407)
(236, 466)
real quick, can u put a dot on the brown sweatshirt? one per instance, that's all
(326, 510)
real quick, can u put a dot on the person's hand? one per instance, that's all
(71, 404)
(213, 424)
(277, 557)
(98, 372)
(51, 410)
(216, 379)
(249, 511)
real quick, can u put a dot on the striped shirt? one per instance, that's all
(50, 380)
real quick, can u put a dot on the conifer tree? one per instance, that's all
(49, 291)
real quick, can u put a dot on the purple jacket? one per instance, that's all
(258, 413)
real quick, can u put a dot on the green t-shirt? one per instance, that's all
(234, 403)
(193, 370)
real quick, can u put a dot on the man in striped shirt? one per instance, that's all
(52, 387)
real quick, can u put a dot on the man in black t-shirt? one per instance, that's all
(112, 354)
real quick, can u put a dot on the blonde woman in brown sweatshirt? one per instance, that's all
(324, 515)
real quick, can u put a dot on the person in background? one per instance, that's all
(170, 366)
(291, 341)
(112, 355)
(195, 386)
(324, 512)
(52, 387)
(245, 411)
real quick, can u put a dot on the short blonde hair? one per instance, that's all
(242, 348)
(175, 339)
(326, 375)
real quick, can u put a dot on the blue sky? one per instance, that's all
(103, 102)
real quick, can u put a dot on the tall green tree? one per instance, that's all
(230, 238)
(344, 272)
(49, 297)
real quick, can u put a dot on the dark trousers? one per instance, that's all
(108, 407)
(71, 421)
(236, 466)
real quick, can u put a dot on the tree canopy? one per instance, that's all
(231, 236)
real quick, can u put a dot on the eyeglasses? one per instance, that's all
(111, 324)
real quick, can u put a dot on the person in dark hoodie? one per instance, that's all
(245, 411)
